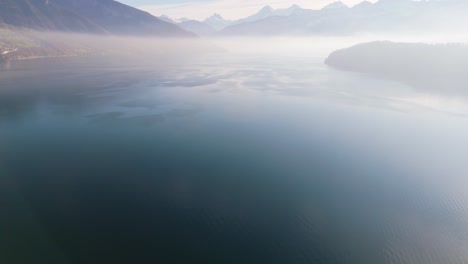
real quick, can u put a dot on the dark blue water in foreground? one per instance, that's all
(239, 159)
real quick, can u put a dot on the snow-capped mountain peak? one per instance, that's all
(295, 7)
(266, 9)
(336, 5)
(217, 21)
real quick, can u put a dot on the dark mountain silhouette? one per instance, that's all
(437, 68)
(90, 16)
(41, 15)
(34, 28)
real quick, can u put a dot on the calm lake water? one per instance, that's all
(227, 158)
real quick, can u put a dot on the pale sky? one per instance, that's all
(229, 9)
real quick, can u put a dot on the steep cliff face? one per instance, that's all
(84, 16)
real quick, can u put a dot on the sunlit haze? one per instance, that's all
(309, 131)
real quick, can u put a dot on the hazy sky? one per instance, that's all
(230, 9)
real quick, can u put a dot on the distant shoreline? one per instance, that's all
(435, 68)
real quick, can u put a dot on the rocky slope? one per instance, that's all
(84, 16)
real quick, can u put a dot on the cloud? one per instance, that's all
(230, 9)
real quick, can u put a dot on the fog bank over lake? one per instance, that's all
(256, 153)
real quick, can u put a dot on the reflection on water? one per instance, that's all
(240, 159)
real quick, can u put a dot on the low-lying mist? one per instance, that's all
(172, 53)
(25, 44)
(28, 44)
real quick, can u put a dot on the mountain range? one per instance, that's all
(338, 18)
(216, 23)
(23, 21)
(114, 18)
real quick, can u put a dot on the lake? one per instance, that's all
(231, 157)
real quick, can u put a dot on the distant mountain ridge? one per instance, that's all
(216, 22)
(197, 27)
(383, 16)
(85, 16)
(338, 18)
